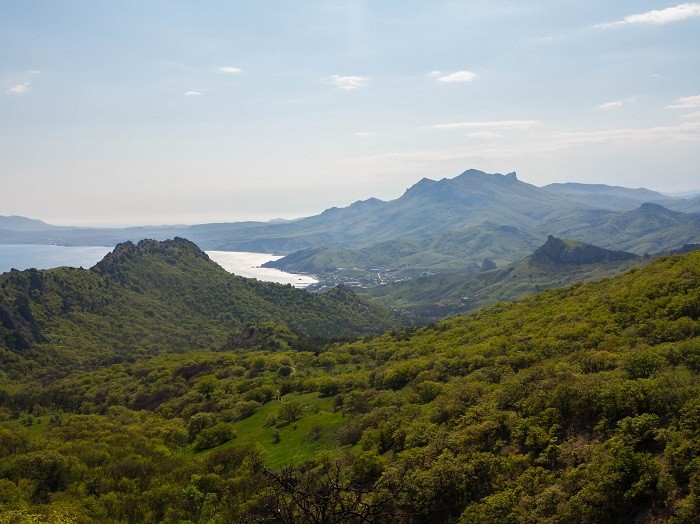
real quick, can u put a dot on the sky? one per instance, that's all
(170, 112)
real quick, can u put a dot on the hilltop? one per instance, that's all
(154, 297)
(560, 251)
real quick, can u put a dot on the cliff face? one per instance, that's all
(561, 251)
(18, 327)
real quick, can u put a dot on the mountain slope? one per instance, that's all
(18, 223)
(647, 229)
(686, 205)
(607, 197)
(577, 405)
(458, 251)
(556, 263)
(160, 297)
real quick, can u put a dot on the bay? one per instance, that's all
(245, 264)
(25, 256)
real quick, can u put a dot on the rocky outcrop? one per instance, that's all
(19, 329)
(561, 251)
(488, 265)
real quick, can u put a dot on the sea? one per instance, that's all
(246, 264)
(241, 263)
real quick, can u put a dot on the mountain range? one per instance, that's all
(452, 225)
(427, 208)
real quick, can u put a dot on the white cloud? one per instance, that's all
(484, 134)
(34, 72)
(499, 124)
(660, 16)
(229, 69)
(457, 76)
(687, 102)
(347, 83)
(19, 89)
(695, 114)
(544, 144)
(611, 105)
(683, 132)
(365, 134)
(193, 93)
(617, 103)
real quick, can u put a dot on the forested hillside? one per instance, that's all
(449, 251)
(155, 297)
(556, 263)
(576, 405)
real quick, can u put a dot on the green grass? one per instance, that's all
(37, 428)
(296, 444)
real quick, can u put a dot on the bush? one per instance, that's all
(246, 409)
(214, 436)
(328, 387)
(350, 434)
(199, 422)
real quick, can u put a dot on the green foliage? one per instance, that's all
(575, 405)
(289, 411)
(157, 297)
(433, 297)
(402, 255)
(214, 436)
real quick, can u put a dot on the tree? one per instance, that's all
(323, 496)
(289, 411)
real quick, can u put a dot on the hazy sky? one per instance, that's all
(132, 112)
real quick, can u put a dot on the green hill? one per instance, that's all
(577, 405)
(155, 297)
(456, 251)
(649, 228)
(556, 263)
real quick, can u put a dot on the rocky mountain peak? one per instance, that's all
(171, 250)
(561, 251)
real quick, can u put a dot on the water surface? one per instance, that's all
(246, 264)
(25, 256)
(242, 263)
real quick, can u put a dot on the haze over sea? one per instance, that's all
(244, 264)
